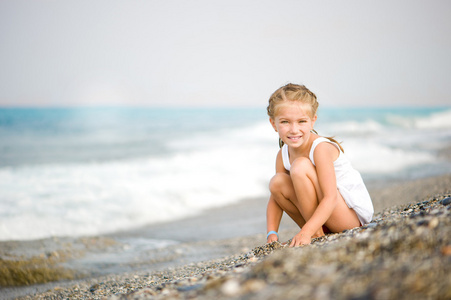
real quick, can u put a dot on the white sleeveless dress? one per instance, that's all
(349, 182)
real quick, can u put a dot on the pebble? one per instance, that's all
(446, 201)
(446, 250)
(370, 225)
(404, 253)
(433, 223)
(187, 288)
(231, 287)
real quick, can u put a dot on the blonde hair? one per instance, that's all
(298, 93)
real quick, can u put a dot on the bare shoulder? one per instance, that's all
(326, 150)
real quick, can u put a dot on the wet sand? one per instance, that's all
(217, 243)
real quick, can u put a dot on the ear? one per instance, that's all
(273, 124)
(314, 120)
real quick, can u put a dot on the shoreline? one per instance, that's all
(207, 249)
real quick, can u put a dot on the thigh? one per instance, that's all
(342, 217)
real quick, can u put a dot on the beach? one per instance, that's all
(109, 206)
(405, 253)
(138, 142)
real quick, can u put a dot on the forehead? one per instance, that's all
(293, 109)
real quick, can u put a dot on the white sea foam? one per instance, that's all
(437, 120)
(352, 128)
(371, 157)
(199, 169)
(95, 198)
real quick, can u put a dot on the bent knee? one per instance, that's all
(301, 166)
(279, 182)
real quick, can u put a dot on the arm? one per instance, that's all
(273, 211)
(325, 154)
(273, 217)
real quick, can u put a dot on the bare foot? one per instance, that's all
(318, 234)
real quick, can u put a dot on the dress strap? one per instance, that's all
(286, 158)
(316, 143)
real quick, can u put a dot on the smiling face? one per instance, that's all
(293, 123)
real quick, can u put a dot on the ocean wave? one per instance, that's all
(181, 172)
(440, 120)
(98, 198)
(436, 120)
(351, 128)
(372, 157)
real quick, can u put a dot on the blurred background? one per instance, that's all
(216, 53)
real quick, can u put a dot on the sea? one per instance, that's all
(99, 170)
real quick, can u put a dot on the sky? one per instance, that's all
(223, 53)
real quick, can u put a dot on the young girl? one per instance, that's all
(314, 184)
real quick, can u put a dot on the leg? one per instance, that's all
(282, 193)
(309, 195)
(306, 186)
(342, 217)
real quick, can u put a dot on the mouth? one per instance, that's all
(295, 138)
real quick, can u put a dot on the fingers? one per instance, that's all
(272, 238)
(300, 240)
(295, 243)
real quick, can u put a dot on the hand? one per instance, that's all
(272, 238)
(300, 239)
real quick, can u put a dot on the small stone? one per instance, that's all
(93, 288)
(253, 259)
(435, 211)
(446, 250)
(433, 223)
(254, 285)
(370, 225)
(422, 222)
(231, 287)
(446, 201)
(190, 287)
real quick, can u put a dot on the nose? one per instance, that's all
(294, 127)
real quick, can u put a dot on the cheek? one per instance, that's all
(282, 128)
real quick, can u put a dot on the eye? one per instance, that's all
(284, 122)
